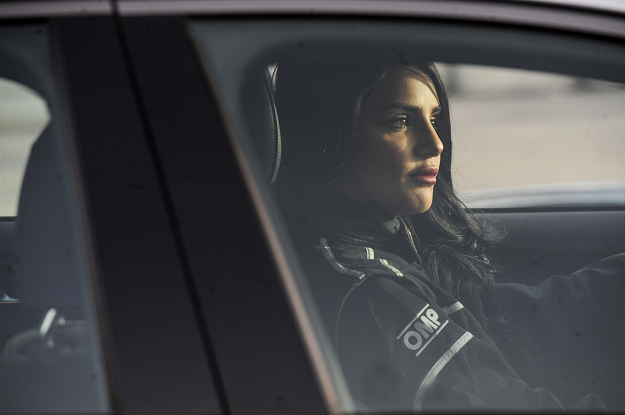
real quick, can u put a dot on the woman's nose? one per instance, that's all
(427, 143)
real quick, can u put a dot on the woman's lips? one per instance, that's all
(425, 175)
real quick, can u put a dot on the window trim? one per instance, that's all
(541, 15)
(34, 9)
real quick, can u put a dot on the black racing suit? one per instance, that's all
(405, 344)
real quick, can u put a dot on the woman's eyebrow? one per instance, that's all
(403, 106)
(408, 107)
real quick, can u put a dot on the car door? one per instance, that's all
(544, 239)
(257, 350)
(145, 312)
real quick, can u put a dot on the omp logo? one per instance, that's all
(425, 328)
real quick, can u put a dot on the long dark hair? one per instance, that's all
(319, 104)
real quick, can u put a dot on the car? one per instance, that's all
(146, 264)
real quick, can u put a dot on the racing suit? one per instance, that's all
(405, 344)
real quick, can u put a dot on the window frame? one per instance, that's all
(130, 230)
(262, 209)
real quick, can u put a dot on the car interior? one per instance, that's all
(543, 240)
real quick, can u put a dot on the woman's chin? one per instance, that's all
(411, 208)
(421, 210)
(419, 205)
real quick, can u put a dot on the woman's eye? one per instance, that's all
(399, 122)
(434, 123)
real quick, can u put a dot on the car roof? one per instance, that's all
(597, 17)
(615, 6)
(26, 8)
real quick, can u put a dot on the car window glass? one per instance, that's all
(550, 139)
(52, 360)
(344, 130)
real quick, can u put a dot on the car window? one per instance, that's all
(52, 359)
(360, 141)
(551, 140)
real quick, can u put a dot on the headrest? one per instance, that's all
(261, 120)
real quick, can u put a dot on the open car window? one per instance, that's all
(526, 139)
(391, 322)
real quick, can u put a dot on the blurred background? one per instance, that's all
(534, 132)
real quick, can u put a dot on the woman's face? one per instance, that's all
(397, 150)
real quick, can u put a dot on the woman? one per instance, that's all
(402, 274)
